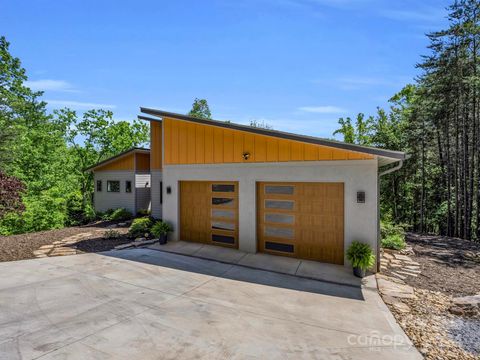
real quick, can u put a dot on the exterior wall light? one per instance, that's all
(361, 197)
(246, 155)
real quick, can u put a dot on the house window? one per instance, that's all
(161, 192)
(99, 185)
(128, 186)
(113, 186)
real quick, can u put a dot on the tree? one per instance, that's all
(11, 190)
(360, 133)
(94, 137)
(200, 109)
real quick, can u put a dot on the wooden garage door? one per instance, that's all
(302, 220)
(209, 212)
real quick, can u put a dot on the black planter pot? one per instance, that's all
(162, 240)
(358, 272)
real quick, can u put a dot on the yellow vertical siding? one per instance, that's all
(156, 146)
(123, 163)
(190, 143)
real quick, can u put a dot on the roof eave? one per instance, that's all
(397, 155)
(118, 156)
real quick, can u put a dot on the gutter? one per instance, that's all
(383, 173)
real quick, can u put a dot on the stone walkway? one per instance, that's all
(399, 265)
(62, 247)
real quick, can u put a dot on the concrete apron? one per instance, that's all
(314, 270)
(146, 304)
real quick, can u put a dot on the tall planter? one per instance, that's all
(162, 239)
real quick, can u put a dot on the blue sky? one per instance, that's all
(298, 65)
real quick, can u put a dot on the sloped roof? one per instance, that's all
(387, 156)
(118, 156)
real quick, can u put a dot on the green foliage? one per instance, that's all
(140, 227)
(393, 235)
(120, 215)
(360, 255)
(111, 234)
(200, 109)
(361, 133)
(395, 242)
(143, 212)
(45, 154)
(161, 228)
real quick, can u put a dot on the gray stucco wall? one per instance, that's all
(360, 219)
(142, 191)
(109, 200)
(156, 176)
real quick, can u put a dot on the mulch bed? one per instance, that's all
(449, 265)
(20, 247)
(450, 268)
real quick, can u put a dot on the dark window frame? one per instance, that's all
(128, 186)
(161, 192)
(99, 185)
(109, 187)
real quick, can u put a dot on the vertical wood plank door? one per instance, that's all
(209, 212)
(302, 220)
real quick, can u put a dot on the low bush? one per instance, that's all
(161, 228)
(111, 234)
(360, 255)
(393, 235)
(121, 215)
(143, 212)
(140, 227)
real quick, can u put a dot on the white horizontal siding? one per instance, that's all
(142, 191)
(104, 200)
(155, 194)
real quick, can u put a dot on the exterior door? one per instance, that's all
(302, 220)
(209, 212)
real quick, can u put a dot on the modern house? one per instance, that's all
(123, 181)
(260, 190)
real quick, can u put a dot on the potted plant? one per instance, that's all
(361, 256)
(160, 230)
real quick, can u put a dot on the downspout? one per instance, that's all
(386, 172)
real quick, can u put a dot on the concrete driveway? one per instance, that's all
(146, 304)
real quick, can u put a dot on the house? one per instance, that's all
(123, 181)
(262, 190)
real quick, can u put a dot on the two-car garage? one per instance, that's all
(298, 219)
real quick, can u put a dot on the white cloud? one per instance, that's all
(328, 109)
(50, 85)
(425, 14)
(78, 105)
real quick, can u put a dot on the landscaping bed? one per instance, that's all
(431, 289)
(20, 247)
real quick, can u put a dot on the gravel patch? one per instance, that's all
(466, 333)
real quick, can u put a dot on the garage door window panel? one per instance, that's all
(223, 202)
(279, 232)
(280, 204)
(279, 189)
(223, 225)
(223, 214)
(279, 218)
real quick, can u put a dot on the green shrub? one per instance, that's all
(393, 235)
(161, 228)
(143, 212)
(77, 212)
(360, 255)
(120, 215)
(111, 234)
(395, 242)
(140, 227)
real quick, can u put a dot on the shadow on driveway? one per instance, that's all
(236, 272)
